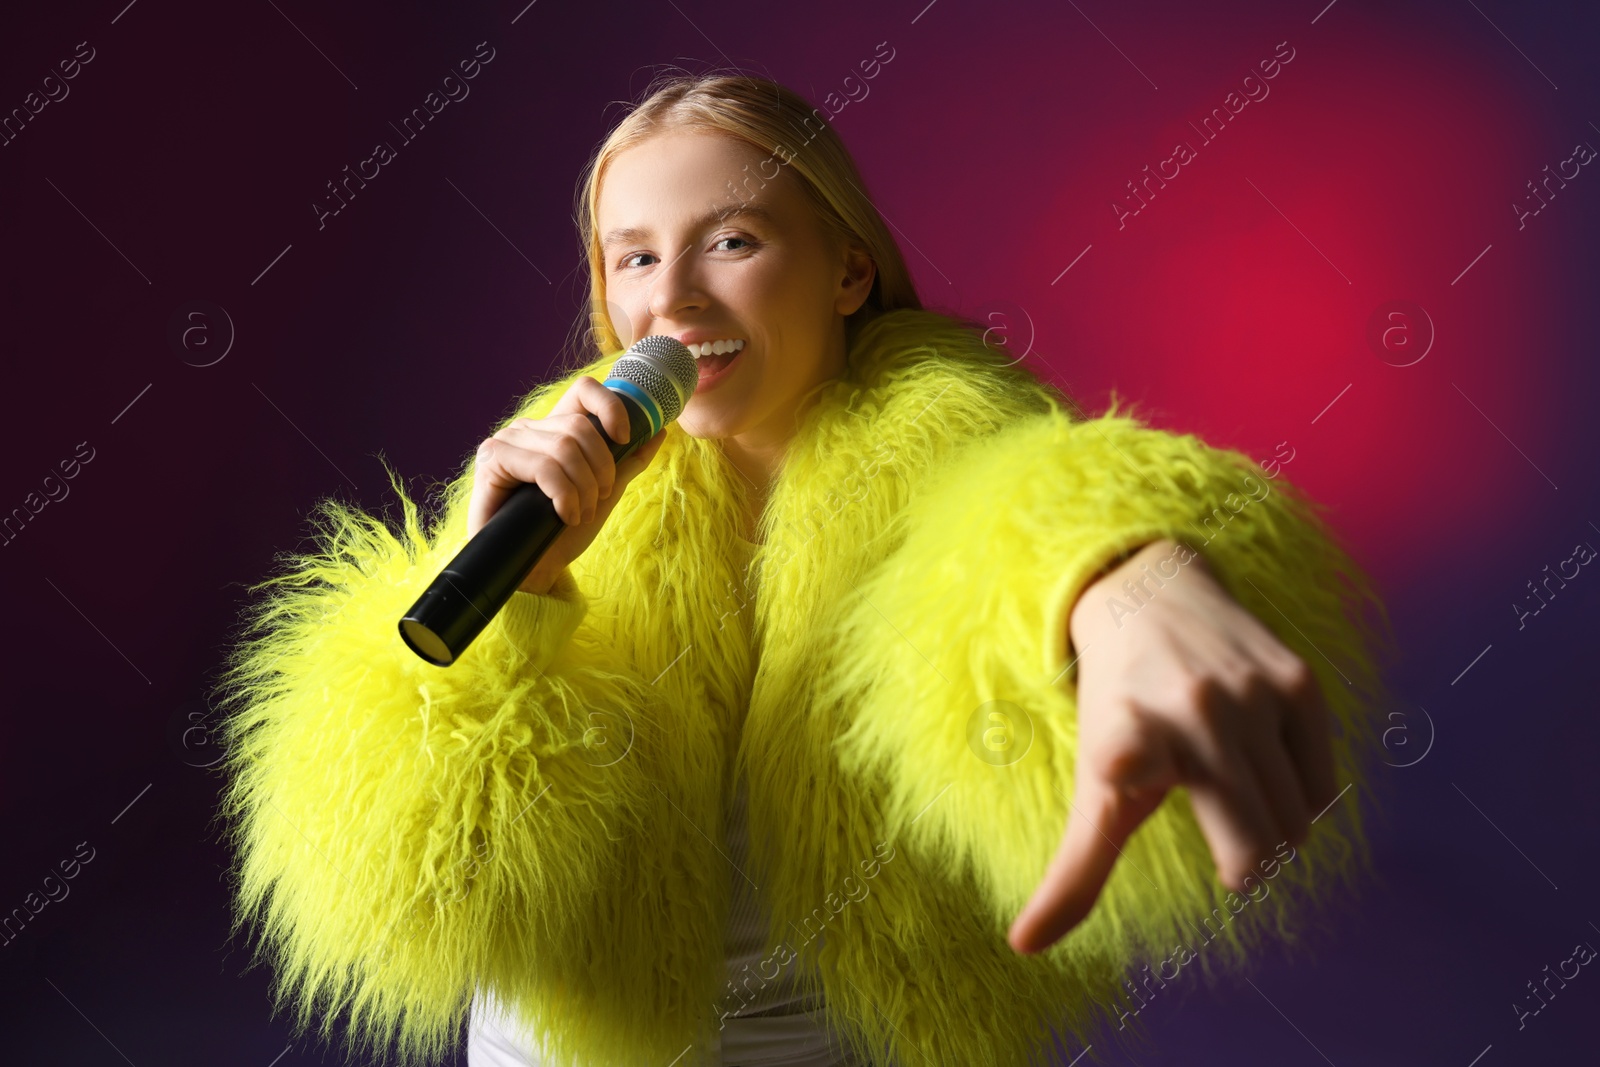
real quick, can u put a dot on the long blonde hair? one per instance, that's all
(777, 121)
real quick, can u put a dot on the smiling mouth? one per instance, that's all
(709, 363)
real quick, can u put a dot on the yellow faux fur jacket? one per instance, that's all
(543, 817)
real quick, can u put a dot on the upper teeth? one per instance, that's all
(714, 348)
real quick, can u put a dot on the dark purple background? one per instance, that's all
(1381, 167)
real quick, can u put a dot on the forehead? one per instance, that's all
(680, 177)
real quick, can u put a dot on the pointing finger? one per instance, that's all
(1099, 823)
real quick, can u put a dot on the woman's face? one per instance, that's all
(685, 256)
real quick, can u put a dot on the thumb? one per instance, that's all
(630, 468)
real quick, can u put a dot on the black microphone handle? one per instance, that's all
(480, 579)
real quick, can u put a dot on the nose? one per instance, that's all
(676, 287)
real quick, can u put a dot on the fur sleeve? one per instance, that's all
(955, 663)
(391, 820)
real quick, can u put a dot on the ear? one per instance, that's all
(856, 284)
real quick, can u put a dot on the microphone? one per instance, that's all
(655, 379)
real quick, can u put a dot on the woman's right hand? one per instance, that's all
(564, 455)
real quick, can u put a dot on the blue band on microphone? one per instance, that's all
(652, 412)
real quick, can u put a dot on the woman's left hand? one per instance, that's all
(1189, 689)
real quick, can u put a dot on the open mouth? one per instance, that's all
(713, 357)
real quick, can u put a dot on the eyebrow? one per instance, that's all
(718, 215)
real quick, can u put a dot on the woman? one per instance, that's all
(765, 760)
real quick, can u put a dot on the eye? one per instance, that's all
(627, 261)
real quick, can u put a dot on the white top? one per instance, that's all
(765, 1023)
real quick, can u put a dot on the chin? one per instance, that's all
(705, 429)
(713, 422)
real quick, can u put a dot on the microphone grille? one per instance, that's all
(663, 368)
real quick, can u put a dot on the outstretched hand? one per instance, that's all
(1189, 689)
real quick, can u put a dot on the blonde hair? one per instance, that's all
(775, 120)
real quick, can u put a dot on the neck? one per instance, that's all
(757, 465)
(758, 453)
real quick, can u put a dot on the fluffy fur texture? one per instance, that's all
(545, 816)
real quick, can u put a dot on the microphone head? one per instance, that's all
(663, 369)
